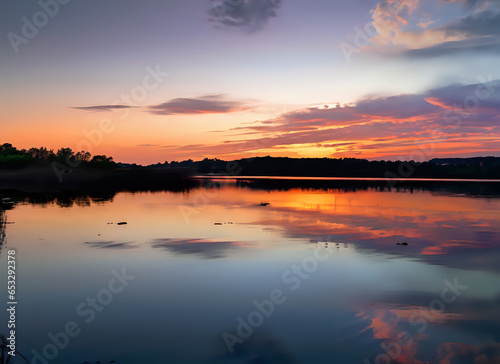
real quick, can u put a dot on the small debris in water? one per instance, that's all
(122, 223)
(217, 223)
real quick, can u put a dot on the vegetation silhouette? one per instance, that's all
(44, 169)
(458, 168)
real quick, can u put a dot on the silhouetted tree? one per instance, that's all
(101, 161)
(83, 156)
(41, 153)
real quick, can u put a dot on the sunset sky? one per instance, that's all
(148, 81)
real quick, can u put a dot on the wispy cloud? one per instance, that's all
(485, 45)
(250, 15)
(103, 107)
(148, 145)
(208, 104)
(468, 3)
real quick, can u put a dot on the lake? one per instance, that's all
(258, 271)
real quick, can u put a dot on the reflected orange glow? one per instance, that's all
(226, 221)
(430, 222)
(434, 225)
(386, 325)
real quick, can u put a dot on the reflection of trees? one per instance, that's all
(69, 199)
(4, 356)
(438, 187)
(2, 228)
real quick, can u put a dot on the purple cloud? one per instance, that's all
(208, 104)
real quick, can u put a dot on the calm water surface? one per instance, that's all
(211, 276)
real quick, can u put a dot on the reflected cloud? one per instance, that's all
(261, 347)
(452, 227)
(110, 245)
(386, 326)
(376, 229)
(417, 324)
(457, 353)
(411, 314)
(211, 249)
(2, 228)
(351, 305)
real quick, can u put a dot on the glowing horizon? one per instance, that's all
(384, 79)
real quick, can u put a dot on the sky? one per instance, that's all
(152, 81)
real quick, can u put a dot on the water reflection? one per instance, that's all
(203, 257)
(2, 228)
(440, 223)
(262, 347)
(486, 189)
(110, 245)
(211, 249)
(66, 199)
(404, 221)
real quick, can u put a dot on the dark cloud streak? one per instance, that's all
(103, 107)
(250, 15)
(483, 23)
(487, 44)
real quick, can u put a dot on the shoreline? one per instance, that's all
(357, 179)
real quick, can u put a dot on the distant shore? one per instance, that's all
(361, 179)
(45, 178)
(485, 168)
(105, 175)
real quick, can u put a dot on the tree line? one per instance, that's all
(478, 167)
(13, 158)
